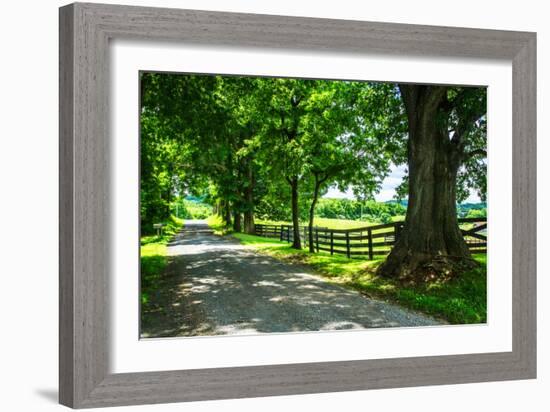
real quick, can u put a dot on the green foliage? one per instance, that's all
(221, 146)
(460, 300)
(465, 122)
(178, 118)
(370, 211)
(190, 209)
(238, 140)
(239, 143)
(218, 225)
(468, 122)
(171, 226)
(198, 210)
(474, 213)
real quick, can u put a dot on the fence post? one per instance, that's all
(288, 233)
(369, 231)
(332, 242)
(281, 234)
(348, 251)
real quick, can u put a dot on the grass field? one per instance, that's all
(331, 223)
(458, 301)
(344, 224)
(153, 259)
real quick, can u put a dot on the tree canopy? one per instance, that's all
(272, 147)
(253, 144)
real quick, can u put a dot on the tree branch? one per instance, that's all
(476, 152)
(435, 95)
(409, 94)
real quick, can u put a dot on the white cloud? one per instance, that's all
(334, 193)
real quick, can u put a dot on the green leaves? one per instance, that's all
(239, 139)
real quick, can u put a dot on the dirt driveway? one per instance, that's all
(216, 286)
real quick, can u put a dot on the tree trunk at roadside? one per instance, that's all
(249, 200)
(312, 215)
(296, 243)
(249, 226)
(227, 213)
(236, 221)
(430, 244)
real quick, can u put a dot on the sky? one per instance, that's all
(387, 191)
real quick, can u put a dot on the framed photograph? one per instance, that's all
(256, 205)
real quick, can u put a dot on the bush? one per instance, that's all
(475, 213)
(385, 218)
(370, 211)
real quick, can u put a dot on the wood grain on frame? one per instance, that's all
(85, 31)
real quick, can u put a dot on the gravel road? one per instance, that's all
(216, 286)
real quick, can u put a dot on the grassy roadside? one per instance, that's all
(458, 301)
(153, 258)
(217, 224)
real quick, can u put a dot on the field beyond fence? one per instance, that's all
(370, 240)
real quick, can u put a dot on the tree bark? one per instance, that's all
(249, 200)
(312, 214)
(430, 243)
(296, 243)
(236, 221)
(227, 213)
(249, 226)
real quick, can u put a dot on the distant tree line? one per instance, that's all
(369, 211)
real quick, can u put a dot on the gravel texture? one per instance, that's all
(216, 286)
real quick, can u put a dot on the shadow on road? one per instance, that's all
(215, 286)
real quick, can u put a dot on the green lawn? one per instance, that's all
(458, 301)
(325, 222)
(153, 259)
(332, 223)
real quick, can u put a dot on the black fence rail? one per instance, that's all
(474, 231)
(370, 240)
(268, 230)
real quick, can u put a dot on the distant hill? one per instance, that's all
(195, 199)
(400, 202)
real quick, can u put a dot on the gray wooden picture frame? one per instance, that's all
(85, 31)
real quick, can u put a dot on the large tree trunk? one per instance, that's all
(430, 243)
(249, 226)
(236, 221)
(296, 243)
(312, 216)
(227, 213)
(249, 200)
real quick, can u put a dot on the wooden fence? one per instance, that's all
(370, 240)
